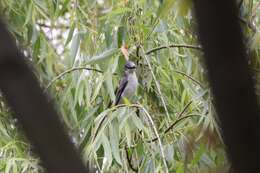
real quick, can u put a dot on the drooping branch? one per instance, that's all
(190, 77)
(172, 46)
(69, 71)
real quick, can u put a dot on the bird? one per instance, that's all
(128, 84)
(126, 89)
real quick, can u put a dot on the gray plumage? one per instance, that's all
(128, 84)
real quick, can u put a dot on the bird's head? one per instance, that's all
(130, 67)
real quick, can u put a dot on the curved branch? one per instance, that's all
(172, 125)
(188, 76)
(173, 46)
(69, 71)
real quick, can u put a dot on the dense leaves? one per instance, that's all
(78, 49)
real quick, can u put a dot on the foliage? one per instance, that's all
(76, 48)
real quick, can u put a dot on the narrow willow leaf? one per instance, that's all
(79, 90)
(97, 88)
(29, 14)
(137, 121)
(198, 154)
(118, 11)
(101, 57)
(121, 35)
(74, 47)
(114, 140)
(128, 134)
(107, 160)
(109, 85)
(71, 32)
(169, 152)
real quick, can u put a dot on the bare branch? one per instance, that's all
(173, 46)
(69, 71)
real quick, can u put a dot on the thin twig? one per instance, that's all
(69, 71)
(44, 25)
(173, 46)
(188, 76)
(177, 121)
(172, 125)
(157, 85)
(184, 109)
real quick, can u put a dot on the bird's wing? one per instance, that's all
(121, 88)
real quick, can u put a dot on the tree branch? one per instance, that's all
(173, 46)
(69, 71)
(188, 76)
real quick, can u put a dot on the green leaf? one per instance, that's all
(114, 140)
(109, 85)
(72, 29)
(97, 88)
(116, 12)
(137, 122)
(103, 56)
(107, 160)
(74, 47)
(29, 14)
(121, 35)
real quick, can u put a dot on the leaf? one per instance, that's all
(118, 11)
(97, 88)
(109, 85)
(169, 152)
(107, 160)
(29, 14)
(72, 29)
(114, 140)
(74, 47)
(128, 134)
(121, 36)
(79, 90)
(137, 122)
(198, 155)
(103, 56)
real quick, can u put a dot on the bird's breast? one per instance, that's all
(131, 86)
